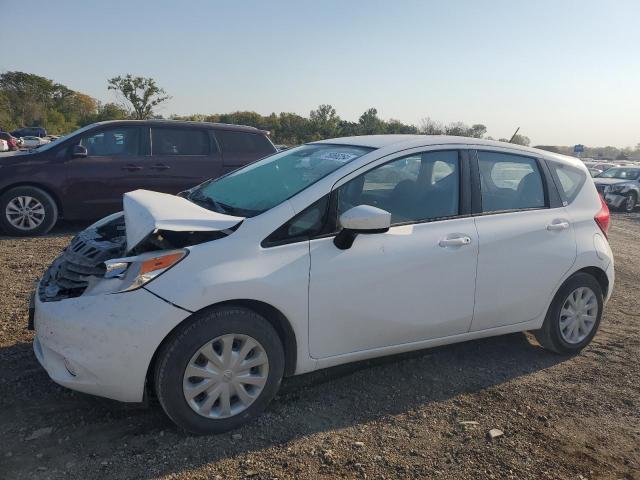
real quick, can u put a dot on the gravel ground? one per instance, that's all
(425, 414)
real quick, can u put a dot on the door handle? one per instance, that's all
(558, 225)
(160, 166)
(455, 241)
(132, 168)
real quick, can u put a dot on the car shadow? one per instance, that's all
(61, 229)
(322, 401)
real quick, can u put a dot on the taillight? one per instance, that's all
(603, 218)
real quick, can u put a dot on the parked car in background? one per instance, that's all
(595, 172)
(33, 142)
(328, 253)
(604, 166)
(601, 165)
(84, 175)
(4, 145)
(30, 132)
(12, 141)
(620, 187)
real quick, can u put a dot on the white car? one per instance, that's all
(4, 146)
(328, 253)
(33, 142)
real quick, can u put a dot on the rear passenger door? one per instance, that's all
(242, 148)
(182, 158)
(527, 242)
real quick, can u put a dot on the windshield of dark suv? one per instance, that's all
(621, 173)
(59, 140)
(266, 183)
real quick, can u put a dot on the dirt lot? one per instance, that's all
(400, 417)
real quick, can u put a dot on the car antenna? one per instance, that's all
(514, 135)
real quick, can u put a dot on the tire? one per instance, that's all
(179, 352)
(552, 336)
(630, 202)
(40, 199)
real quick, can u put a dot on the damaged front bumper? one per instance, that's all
(614, 200)
(103, 344)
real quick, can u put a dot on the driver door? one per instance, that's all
(113, 166)
(407, 285)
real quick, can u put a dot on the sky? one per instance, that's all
(565, 72)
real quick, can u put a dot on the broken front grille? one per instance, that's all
(70, 273)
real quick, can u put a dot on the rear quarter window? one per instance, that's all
(568, 179)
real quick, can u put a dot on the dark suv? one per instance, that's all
(30, 132)
(84, 175)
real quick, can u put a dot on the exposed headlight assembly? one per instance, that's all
(130, 273)
(617, 188)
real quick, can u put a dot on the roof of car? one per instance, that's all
(173, 123)
(402, 142)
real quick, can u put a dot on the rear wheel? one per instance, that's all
(27, 211)
(574, 315)
(220, 370)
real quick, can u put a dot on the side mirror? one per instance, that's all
(361, 219)
(78, 151)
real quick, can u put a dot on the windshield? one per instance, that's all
(621, 173)
(61, 139)
(268, 182)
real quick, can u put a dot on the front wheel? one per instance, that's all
(630, 202)
(574, 315)
(27, 211)
(220, 370)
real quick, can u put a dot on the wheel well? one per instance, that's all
(600, 276)
(274, 316)
(51, 193)
(281, 324)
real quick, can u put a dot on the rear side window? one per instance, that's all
(179, 141)
(240, 142)
(509, 182)
(569, 180)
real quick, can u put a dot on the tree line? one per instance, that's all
(27, 99)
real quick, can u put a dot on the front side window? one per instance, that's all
(306, 224)
(266, 183)
(114, 142)
(509, 182)
(179, 141)
(416, 188)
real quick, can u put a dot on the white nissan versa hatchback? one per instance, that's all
(327, 253)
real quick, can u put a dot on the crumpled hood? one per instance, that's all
(610, 181)
(146, 212)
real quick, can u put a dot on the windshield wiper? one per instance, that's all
(206, 202)
(243, 212)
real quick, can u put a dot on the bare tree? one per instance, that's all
(430, 127)
(143, 94)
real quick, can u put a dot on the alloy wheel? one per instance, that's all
(25, 212)
(578, 315)
(225, 376)
(630, 203)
